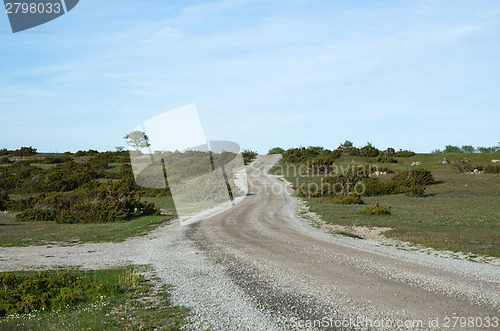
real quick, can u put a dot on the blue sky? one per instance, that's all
(405, 74)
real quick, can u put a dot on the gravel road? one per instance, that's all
(258, 266)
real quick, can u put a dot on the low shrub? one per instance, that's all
(94, 203)
(4, 160)
(374, 187)
(334, 154)
(409, 182)
(5, 201)
(416, 191)
(146, 208)
(93, 212)
(249, 156)
(24, 151)
(112, 157)
(344, 183)
(90, 152)
(465, 166)
(492, 169)
(346, 199)
(386, 158)
(298, 155)
(22, 204)
(35, 215)
(318, 149)
(367, 151)
(376, 209)
(404, 153)
(390, 151)
(23, 178)
(25, 294)
(56, 159)
(353, 151)
(413, 177)
(323, 164)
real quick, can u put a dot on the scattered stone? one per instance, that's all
(495, 161)
(378, 173)
(445, 161)
(416, 163)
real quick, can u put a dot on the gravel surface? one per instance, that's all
(258, 266)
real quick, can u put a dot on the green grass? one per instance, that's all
(460, 213)
(114, 167)
(43, 166)
(376, 209)
(13, 233)
(166, 203)
(124, 301)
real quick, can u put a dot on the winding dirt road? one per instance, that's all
(295, 272)
(296, 276)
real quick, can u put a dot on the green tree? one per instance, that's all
(276, 150)
(390, 151)
(346, 145)
(468, 149)
(369, 150)
(137, 140)
(452, 149)
(25, 151)
(486, 149)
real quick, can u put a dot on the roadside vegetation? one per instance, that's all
(111, 299)
(15, 233)
(448, 201)
(73, 198)
(79, 197)
(91, 196)
(249, 156)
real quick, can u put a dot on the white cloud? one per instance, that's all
(278, 62)
(169, 32)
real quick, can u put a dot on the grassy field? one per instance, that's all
(461, 212)
(13, 233)
(103, 170)
(112, 299)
